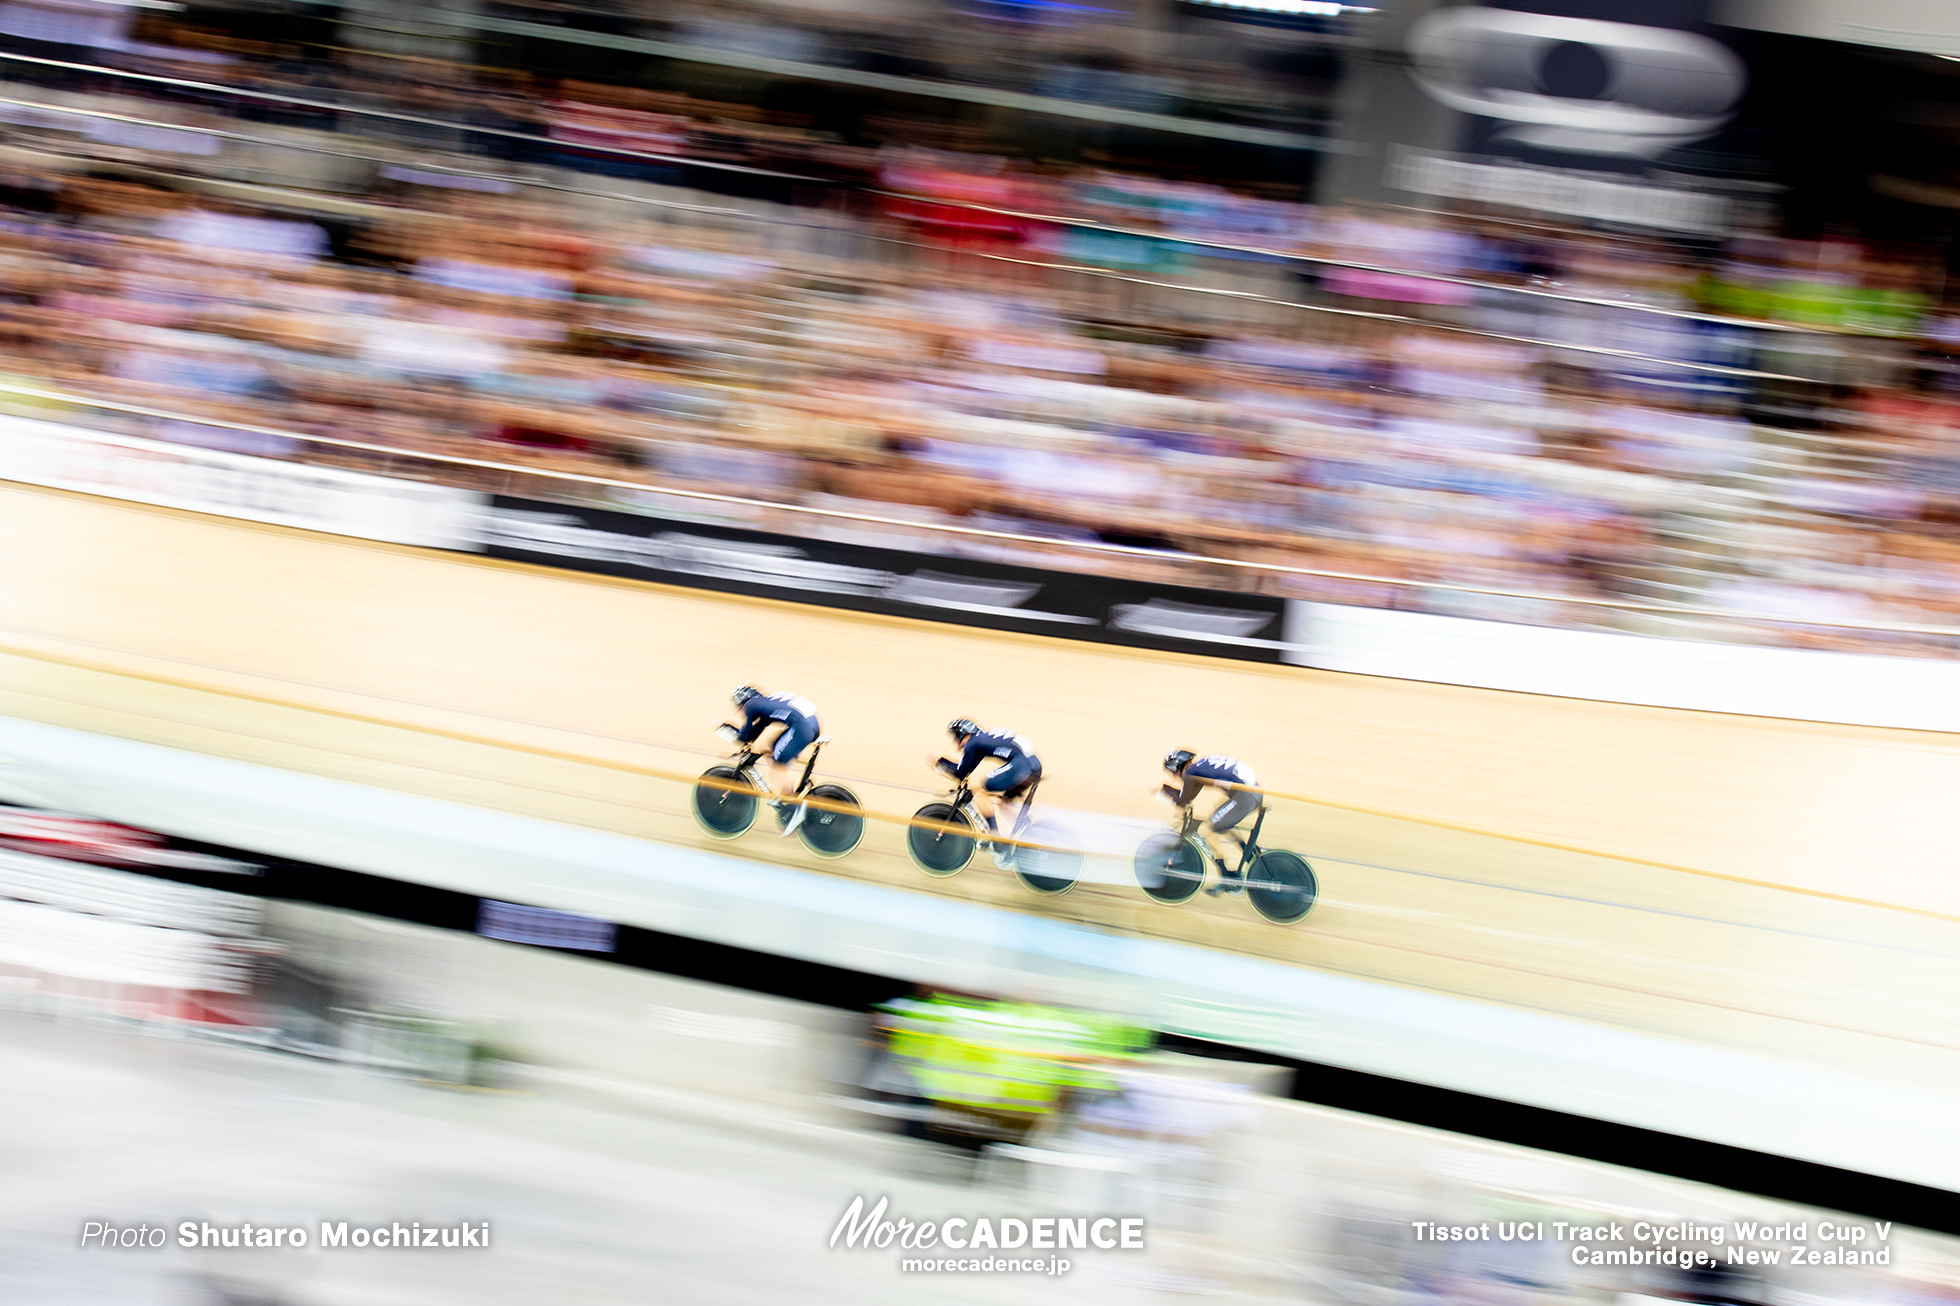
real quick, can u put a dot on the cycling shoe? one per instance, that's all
(794, 820)
(1228, 882)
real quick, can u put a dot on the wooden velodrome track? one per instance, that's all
(1804, 903)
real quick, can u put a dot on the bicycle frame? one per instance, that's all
(1252, 839)
(1024, 818)
(809, 765)
(747, 756)
(1284, 890)
(1189, 823)
(960, 796)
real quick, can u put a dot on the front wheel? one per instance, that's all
(836, 827)
(1282, 887)
(1049, 868)
(725, 802)
(1170, 869)
(937, 849)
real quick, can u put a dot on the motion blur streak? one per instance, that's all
(1077, 351)
(428, 651)
(197, 678)
(1524, 435)
(705, 1137)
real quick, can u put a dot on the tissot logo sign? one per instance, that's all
(1577, 85)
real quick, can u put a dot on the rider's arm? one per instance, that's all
(752, 725)
(970, 756)
(1193, 786)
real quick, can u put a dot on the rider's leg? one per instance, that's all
(782, 777)
(790, 745)
(1227, 849)
(1009, 788)
(1002, 819)
(986, 799)
(770, 771)
(1009, 818)
(1218, 836)
(792, 740)
(986, 807)
(1001, 796)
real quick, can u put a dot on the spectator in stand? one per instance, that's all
(879, 357)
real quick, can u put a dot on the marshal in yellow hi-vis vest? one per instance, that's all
(1012, 1057)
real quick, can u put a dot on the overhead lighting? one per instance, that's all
(1300, 8)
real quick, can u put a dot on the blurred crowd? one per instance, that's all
(604, 281)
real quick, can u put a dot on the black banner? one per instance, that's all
(963, 591)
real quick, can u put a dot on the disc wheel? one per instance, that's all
(725, 802)
(1169, 869)
(828, 832)
(1051, 868)
(1282, 887)
(939, 851)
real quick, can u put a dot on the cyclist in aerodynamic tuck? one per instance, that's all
(796, 717)
(1240, 788)
(999, 798)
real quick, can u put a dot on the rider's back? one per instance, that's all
(1220, 767)
(781, 707)
(1009, 749)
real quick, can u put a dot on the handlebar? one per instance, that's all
(744, 753)
(943, 767)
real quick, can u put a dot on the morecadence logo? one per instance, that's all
(982, 1237)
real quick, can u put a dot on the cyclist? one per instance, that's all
(797, 718)
(1007, 786)
(1239, 785)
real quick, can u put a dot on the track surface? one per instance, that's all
(568, 696)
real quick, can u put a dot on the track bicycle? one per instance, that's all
(1171, 867)
(728, 796)
(945, 834)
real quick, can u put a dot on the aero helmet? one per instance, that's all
(1178, 760)
(744, 694)
(962, 729)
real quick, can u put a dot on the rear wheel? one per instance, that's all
(1282, 887)
(937, 849)
(1050, 868)
(827, 831)
(725, 802)
(1169, 869)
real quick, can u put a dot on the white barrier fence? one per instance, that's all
(238, 485)
(1862, 689)
(76, 937)
(1850, 688)
(123, 896)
